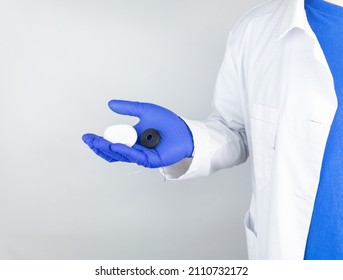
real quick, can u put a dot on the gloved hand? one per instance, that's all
(176, 141)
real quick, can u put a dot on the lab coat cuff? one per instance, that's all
(198, 164)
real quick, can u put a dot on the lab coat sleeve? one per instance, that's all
(220, 140)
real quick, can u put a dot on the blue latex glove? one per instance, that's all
(176, 141)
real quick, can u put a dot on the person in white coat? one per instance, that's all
(275, 101)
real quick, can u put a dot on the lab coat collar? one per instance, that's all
(293, 16)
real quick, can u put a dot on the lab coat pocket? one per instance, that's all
(263, 137)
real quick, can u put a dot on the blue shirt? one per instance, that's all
(325, 238)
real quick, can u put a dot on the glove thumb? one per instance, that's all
(128, 108)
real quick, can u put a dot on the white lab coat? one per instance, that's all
(274, 100)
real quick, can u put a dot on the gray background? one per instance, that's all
(60, 63)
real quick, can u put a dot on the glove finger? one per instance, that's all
(102, 146)
(120, 151)
(124, 107)
(103, 155)
(115, 156)
(88, 139)
(102, 149)
(133, 154)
